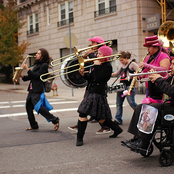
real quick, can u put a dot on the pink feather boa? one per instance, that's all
(149, 100)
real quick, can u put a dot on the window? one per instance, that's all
(101, 6)
(63, 18)
(66, 13)
(104, 7)
(33, 24)
(48, 16)
(112, 5)
(36, 23)
(70, 10)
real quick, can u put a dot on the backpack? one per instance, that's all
(49, 82)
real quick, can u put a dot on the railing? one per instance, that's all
(105, 11)
(36, 30)
(65, 22)
(23, 1)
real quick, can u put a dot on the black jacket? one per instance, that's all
(165, 86)
(97, 79)
(34, 77)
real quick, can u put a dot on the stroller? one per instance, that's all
(163, 138)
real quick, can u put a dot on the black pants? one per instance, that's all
(133, 123)
(31, 101)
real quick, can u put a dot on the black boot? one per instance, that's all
(81, 131)
(115, 127)
(135, 138)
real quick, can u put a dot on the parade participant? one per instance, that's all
(95, 102)
(92, 53)
(36, 90)
(143, 137)
(126, 66)
(159, 60)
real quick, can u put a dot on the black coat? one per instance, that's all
(165, 86)
(34, 77)
(97, 79)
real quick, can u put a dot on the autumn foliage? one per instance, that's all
(11, 53)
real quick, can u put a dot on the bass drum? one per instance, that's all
(72, 79)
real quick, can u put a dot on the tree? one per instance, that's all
(10, 52)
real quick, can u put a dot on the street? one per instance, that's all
(45, 151)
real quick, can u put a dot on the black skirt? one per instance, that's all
(95, 105)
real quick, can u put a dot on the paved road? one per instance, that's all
(45, 151)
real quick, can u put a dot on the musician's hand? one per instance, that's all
(141, 65)
(113, 74)
(81, 71)
(169, 74)
(24, 65)
(90, 51)
(97, 62)
(153, 77)
(86, 53)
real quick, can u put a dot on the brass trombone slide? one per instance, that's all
(81, 64)
(77, 52)
(83, 61)
(147, 73)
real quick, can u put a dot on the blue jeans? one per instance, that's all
(119, 103)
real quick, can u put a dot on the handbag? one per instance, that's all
(49, 82)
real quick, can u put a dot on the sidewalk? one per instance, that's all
(63, 91)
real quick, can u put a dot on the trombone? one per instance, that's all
(82, 61)
(81, 64)
(147, 73)
(78, 51)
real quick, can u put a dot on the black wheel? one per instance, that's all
(157, 139)
(166, 157)
(143, 153)
(172, 141)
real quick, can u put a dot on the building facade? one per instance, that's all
(49, 23)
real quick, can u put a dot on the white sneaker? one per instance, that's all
(103, 131)
(74, 128)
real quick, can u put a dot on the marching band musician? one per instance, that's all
(95, 102)
(92, 53)
(141, 138)
(159, 60)
(36, 97)
(126, 66)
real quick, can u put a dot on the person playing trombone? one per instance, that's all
(92, 53)
(95, 101)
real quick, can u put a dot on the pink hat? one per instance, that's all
(96, 39)
(152, 41)
(107, 51)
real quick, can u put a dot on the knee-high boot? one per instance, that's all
(114, 126)
(81, 131)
